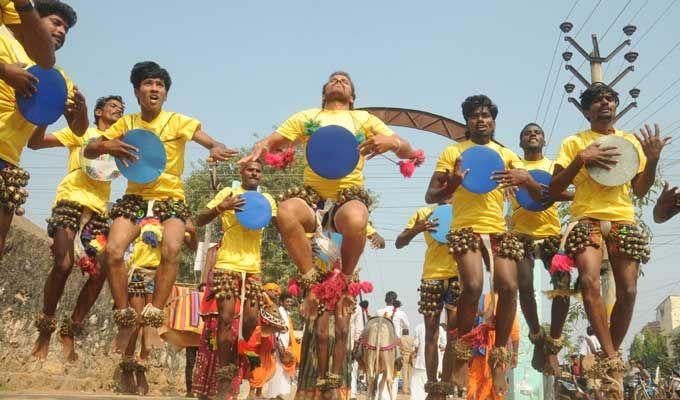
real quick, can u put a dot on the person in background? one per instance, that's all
(392, 311)
(406, 349)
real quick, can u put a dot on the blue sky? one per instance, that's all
(243, 67)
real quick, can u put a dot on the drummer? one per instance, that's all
(540, 233)
(162, 198)
(80, 201)
(667, 205)
(15, 130)
(345, 204)
(22, 19)
(238, 264)
(478, 232)
(604, 218)
(439, 289)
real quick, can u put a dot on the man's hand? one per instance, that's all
(425, 225)
(456, 178)
(258, 151)
(511, 177)
(75, 103)
(220, 152)
(652, 144)
(20, 79)
(127, 153)
(378, 144)
(377, 241)
(598, 156)
(231, 202)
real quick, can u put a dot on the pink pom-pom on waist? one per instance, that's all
(561, 263)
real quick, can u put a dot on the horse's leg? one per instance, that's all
(389, 371)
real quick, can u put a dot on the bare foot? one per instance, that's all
(142, 383)
(41, 346)
(459, 374)
(152, 339)
(309, 307)
(500, 379)
(552, 367)
(538, 358)
(127, 382)
(68, 348)
(120, 342)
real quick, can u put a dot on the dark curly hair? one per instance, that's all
(527, 127)
(56, 7)
(595, 91)
(101, 102)
(390, 297)
(472, 103)
(149, 69)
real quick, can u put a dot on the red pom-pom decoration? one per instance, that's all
(407, 168)
(366, 287)
(561, 263)
(280, 160)
(293, 287)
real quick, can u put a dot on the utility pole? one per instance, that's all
(207, 237)
(596, 60)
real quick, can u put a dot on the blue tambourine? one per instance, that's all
(332, 152)
(256, 211)
(443, 214)
(482, 161)
(524, 198)
(152, 157)
(46, 105)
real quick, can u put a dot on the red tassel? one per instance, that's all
(407, 168)
(561, 263)
(354, 289)
(293, 288)
(366, 287)
(87, 265)
(330, 290)
(280, 160)
(418, 157)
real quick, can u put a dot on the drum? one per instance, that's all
(102, 168)
(626, 168)
(152, 157)
(482, 161)
(47, 104)
(524, 198)
(442, 214)
(256, 212)
(332, 152)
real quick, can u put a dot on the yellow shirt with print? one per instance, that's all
(240, 247)
(14, 129)
(8, 13)
(144, 255)
(438, 264)
(353, 120)
(593, 200)
(76, 185)
(481, 212)
(174, 130)
(537, 224)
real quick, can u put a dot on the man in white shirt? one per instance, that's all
(419, 373)
(589, 348)
(357, 327)
(392, 311)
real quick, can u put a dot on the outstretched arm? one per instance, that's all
(230, 202)
(443, 184)
(273, 142)
(76, 113)
(421, 225)
(191, 240)
(33, 35)
(218, 151)
(41, 141)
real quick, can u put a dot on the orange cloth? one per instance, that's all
(265, 350)
(294, 347)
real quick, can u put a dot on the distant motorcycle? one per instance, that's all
(569, 389)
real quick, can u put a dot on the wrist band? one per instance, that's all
(25, 8)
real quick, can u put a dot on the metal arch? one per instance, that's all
(422, 120)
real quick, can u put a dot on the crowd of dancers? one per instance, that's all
(153, 217)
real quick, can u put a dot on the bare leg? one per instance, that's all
(351, 220)
(527, 301)
(226, 342)
(128, 377)
(341, 338)
(144, 351)
(505, 282)
(558, 316)
(448, 354)
(54, 284)
(432, 347)
(173, 238)
(625, 275)
(294, 219)
(122, 233)
(322, 343)
(470, 269)
(5, 223)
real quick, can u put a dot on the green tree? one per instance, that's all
(651, 348)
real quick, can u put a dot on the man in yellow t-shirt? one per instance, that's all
(142, 266)
(80, 201)
(15, 130)
(23, 21)
(343, 202)
(540, 233)
(238, 264)
(439, 289)
(478, 231)
(162, 198)
(604, 217)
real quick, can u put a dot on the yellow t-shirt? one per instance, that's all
(14, 129)
(174, 130)
(540, 224)
(8, 14)
(481, 212)
(355, 121)
(240, 247)
(592, 200)
(76, 185)
(439, 264)
(144, 256)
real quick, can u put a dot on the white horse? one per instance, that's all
(379, 342)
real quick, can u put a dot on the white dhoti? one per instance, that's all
(280, 383)
(385, 394)
(355, 376)
(418, 381)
